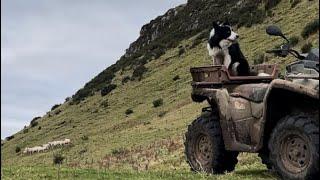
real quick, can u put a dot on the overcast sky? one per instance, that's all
(51, 48)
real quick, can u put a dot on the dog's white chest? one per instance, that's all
(220, 56)
(227, 60)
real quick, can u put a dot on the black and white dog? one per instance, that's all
(225, 50)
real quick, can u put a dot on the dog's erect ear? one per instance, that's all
(226, 23)
(215, 24)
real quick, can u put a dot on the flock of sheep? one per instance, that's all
(47, 146)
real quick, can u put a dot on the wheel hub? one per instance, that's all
(204, 148)
(295, 153)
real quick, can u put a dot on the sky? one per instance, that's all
(51, 48)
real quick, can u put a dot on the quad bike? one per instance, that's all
(278, 118)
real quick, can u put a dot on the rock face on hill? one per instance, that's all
(166, 31)
(194, 16)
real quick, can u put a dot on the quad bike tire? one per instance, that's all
(204, 146)
(294, 147)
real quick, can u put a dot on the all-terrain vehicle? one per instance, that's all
(274, 116)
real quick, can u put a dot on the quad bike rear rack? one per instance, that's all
(218, 76)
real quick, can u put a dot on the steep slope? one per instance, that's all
(101, 131)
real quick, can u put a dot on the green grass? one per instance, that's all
(248, 168)
(147, 134)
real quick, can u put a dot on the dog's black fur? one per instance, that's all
(223, 33)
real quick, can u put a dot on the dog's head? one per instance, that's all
(222, 35)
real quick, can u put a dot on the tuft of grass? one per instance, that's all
(129, 111)
(18, 149)
(181, 50)
(258, 59)
(85, 138)
(306, 47)
(294, 40)
(158, 102)
(55, 106)
(106, 90)
(294, 3)
(125, 79)
(162, 114)
(175, 78)
(9, 138)
(311, 28)
(58, 159)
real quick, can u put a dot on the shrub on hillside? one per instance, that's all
(306, 48)
(84, 138)
(271, 3)
(34, 121)
(104, 104)
(162, 114)
(181, 50)
(177, 77)
(25, 130)
(125, 79)
(106, 90)
(294, 40)
(138, 72)
(158, 102)
(55, 106)
(120, 151)
(311, 28)
(39, 128)
(18, 149)
(129, 111)
(57, 159)
(9, 138)
(158, 52)
(294, 3)
(258, 59)
(67, 99)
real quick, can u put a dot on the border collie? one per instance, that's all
(225, 50)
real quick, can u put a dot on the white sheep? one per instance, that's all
(46, 146)
(67, 141)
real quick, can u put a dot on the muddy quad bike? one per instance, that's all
(276, 118)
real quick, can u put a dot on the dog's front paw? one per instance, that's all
(234, 68)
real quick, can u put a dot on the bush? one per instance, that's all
(125, 79)
(34, 122)
(18, 149)
(306, 48)
(25, 130)
(106, 90)
(162, 113)
(258, 59)
(67, 99)
(158, 102)
(84, 138)
(294, 40)
(129, 111)
(104, 104)
(9, 138)
(39, 128)
(181, 51)
(138, 72)
(120, 151)
(177, 77)
(55, 107)
(57, 159)
(271, 3)
(294, 3)
(310, 28)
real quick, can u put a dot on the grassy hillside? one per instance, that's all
(150, 138)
